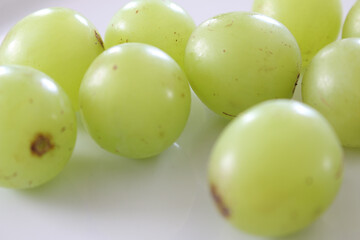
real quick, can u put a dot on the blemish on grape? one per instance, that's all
(228, 114)
(296, 83)
(98, 37)
(41, 144)
(224, 210)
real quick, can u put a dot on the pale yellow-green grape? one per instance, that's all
(314, 23)
(332, 86)
(160, 23)
(239, 59)
(37, 127)
(135, 100)
(57, 41)
(276, 168)
(351, 26)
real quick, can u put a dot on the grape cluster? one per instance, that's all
(276, 167)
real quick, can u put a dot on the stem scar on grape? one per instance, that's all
(41, 144)
(296, 83)
(224, 210)
(228, 114)
(99, 38)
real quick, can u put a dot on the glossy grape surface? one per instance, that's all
(239, 59)
(314, 23)
(135, 100)
(276, 168)
(331, 85)
(37, 126)
(351, 26)
(160, 23)
(57, 41)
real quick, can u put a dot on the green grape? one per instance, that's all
(37, 126)
(314, 23)
(135, 100)
(351, 26)
(331, 85)
(160, 23)
(276, 168)
(239, 59)
(57, 41)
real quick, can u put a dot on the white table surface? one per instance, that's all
(103, 196)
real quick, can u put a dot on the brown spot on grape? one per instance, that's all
(31, 100)
(230, 24)
(228, 114)
(41, 144)
(182, 95)
(174, 32)
(161, 134)
(224, 50)
(99, 39)
(15, 174)
(30, 183)
(62, 112)
(224, 210)
(63, 129)
(115, 67)
(137, 11)
(296, 83)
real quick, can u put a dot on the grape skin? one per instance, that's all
(135, 100)
(37, 125)
(314, 23)
(275, 168)
(162, 24)
(57, 41)
(351, 26)
(236, 60)
(331, 85)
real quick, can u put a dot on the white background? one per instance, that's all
(102, 196)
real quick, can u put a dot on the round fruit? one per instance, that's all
(156, 22)
(314, 23)
(57, 41)
(239, 59)
(351, 26)
(135, 100)
(37, 126)
(276, 168)
(331, 85)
